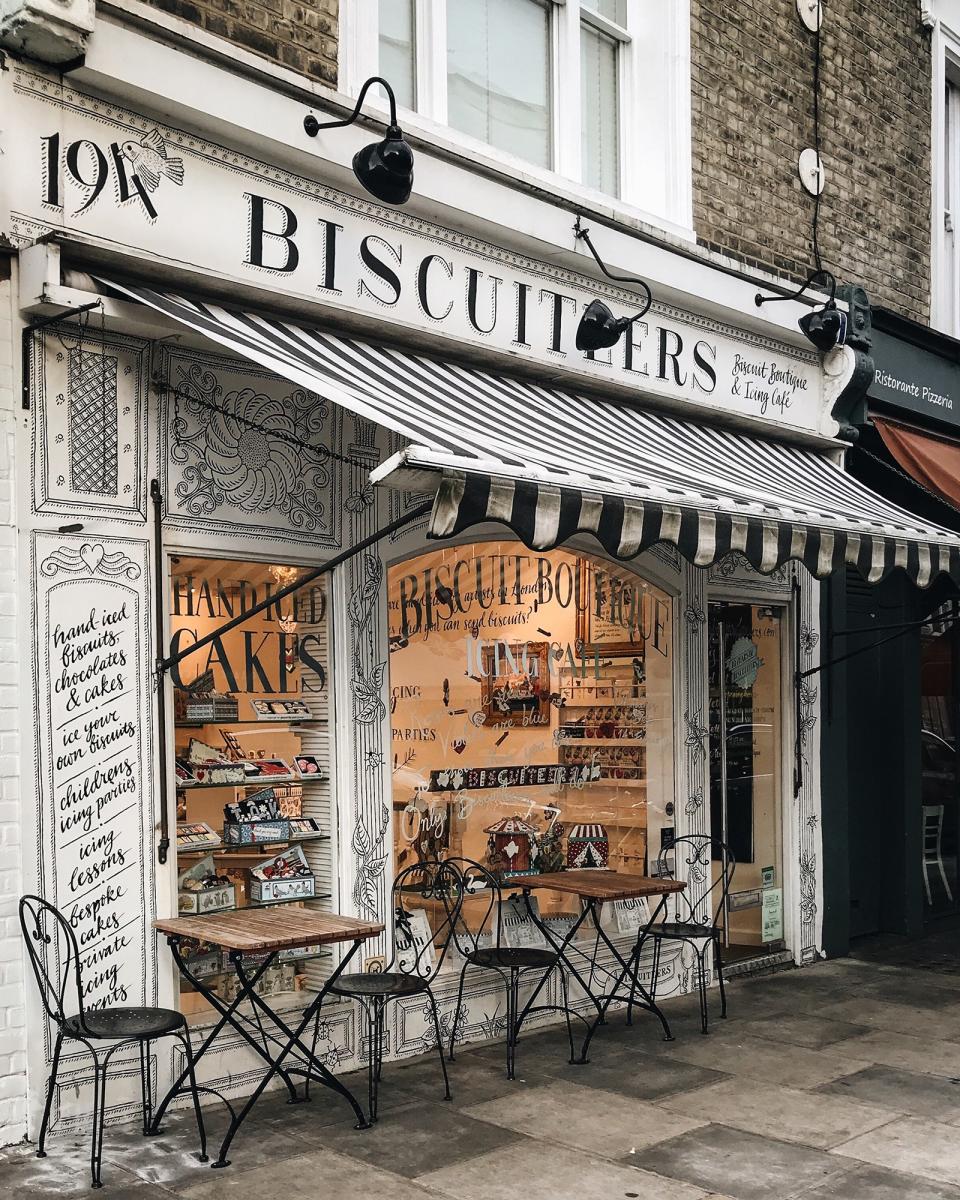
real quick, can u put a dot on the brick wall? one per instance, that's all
(301, 36)
(13, 1077)
(752, 115)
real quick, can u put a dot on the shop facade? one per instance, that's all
(896, 873)
(484, 693)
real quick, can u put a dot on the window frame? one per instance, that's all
(945, 193)
(653, 70)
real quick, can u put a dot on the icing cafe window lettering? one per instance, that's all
(276, 239)
(263, 658)
(550, 742)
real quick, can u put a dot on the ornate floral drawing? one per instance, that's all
(696, 731)
(249, 450)
(366, 684)
(370, 861)
(90, 558)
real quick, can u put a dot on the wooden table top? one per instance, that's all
(598, 884)
(263, 930)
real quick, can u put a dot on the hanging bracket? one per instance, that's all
(26, 337)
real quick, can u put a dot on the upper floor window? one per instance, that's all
(596, 91)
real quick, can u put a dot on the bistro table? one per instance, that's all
(261, 934)
(594, 887)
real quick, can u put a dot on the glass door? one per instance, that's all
(746, 769)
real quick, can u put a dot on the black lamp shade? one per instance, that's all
(826, 328)
(599, 328)
(386, 168)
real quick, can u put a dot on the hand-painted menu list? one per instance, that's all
(92, 757)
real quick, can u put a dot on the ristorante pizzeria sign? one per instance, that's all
(90, 167)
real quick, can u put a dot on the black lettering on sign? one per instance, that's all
(93, 753)
(282, 250)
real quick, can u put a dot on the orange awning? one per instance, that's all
(933, 461)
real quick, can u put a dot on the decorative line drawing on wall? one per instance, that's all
(221, 440)
(370, 863)
(92, 422)
(90, 558)
(150, 161)
(697, 732)
(367, 686)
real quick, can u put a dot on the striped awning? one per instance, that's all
(550, 464)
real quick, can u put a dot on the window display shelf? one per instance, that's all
(298, 958)
(288, 900)
(255, 848)
(614, 741)
(267, 781)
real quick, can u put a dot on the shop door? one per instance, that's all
(939, 810)
(746, 769)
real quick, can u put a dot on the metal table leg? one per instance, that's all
(323, 1074)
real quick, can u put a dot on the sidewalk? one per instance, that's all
(837, 1082)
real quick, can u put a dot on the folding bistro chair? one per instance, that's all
(55, 958)
(478, 937)
(419, 947)
(698, 852)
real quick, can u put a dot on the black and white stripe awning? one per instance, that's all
(551, 464)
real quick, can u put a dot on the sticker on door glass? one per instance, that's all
(743, 664)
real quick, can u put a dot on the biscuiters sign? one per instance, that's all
(80, 164)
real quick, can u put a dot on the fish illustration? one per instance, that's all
(149, 158)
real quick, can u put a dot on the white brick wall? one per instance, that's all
(13, 1059)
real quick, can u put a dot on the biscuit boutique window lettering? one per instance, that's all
(532, 710)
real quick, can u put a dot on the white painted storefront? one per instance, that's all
(473, 270)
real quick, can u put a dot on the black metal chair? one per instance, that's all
(478, 937)
(695, 921)
(55, 958)
(427, 888)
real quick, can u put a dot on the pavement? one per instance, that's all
(840, 1081)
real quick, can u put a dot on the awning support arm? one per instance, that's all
(26, 336)
(164, 664)
(901, 628)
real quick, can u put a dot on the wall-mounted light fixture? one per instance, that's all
(385, 169)
(826, 327)
(599, 328)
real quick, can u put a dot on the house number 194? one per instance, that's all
(87, 168)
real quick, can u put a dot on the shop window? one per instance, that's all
(532, 711)
(551, 86)
(255, 820)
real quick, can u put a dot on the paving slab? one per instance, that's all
(419, 1138)
(906, 1091)
(911, 1145)
(806, 1118)
(941, 1023)
(604, 1123)
(638, 1074)
(801, 1029)
(321, 1173)
(739, 1164)
(531, 1171)
(872, 1183)
(758, 1058)
(928, 1056)
(54, 1177)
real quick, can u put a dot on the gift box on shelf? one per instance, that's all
(286, 876)
(588, 847)
(195, 835)
(250, 833)
(203, 960)
(202, 890)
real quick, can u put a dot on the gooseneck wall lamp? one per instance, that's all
(385, 169)
(599, 328)
(825, 327)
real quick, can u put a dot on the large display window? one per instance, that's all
(532, 710)
(252, 758)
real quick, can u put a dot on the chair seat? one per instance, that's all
(683, 929)
(380, 983)
(125, 1023)
(509, 957)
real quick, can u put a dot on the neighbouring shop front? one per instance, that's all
(547, 660)
(892, 745)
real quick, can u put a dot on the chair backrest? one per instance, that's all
(932, 830)
(425, 900)
(693, 859)
(54, 955)
(479, 912)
